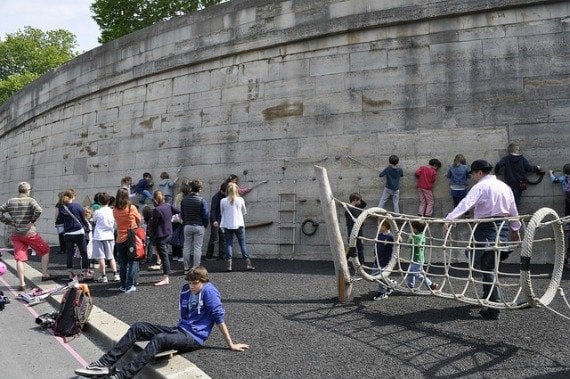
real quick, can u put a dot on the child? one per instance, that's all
(104, 238)
(564, 181)
(144, 187)
(418, 240)
(393, 173)
(426, 176)
(352, 214)
(384, 248)
(165, 186)
(458, 174)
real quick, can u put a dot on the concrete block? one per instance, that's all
(542, 45)
(368, 60)
(159, 90)
(447, 52)
(329, 65)
(205, 99)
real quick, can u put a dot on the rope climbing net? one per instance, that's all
(454, 253)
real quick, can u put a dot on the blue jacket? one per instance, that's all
(199, 313)
(215, 213)
(69, 223)
(393, 175)
(194, 210)
(458, 175)
(160, 223)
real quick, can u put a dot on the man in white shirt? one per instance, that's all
(489, 198)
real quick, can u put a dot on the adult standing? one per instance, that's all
(489, 198)
(75, 227)
(216, 233)
(233, 209)
(195, 217)
(126, 217)
(22, 212)
(160, 231)
(516, 167)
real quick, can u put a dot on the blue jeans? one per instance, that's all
(127, 268)
(395, 199)
(145, 195)
(485, 236)
(240, 234)
(415, 272)
(161, 338)
(193, 239)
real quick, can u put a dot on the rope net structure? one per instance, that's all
(452, 254)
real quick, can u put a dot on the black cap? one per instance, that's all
(481, 164)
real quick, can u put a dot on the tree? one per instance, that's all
(28, 54)
(117, 18)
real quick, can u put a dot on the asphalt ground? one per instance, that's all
(287, 310)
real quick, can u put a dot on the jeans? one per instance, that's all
(161, 248)
(395, 199)
(72, 240)
(216, 233)
(193, 238)
(415, 272)
(485, 236)
(145, 195)
(127, 268)
(161, 338)
(240, 234)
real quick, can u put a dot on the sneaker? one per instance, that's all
(122, 289)
(116, 277)
(155, 267)
(103, 279)
(389, 291)
(132, 289)
(434, 287)
(248, 265)
(380, 296)
(97, 365)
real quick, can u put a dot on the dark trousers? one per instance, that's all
(72, 240)
(161, 248)
(161, 338)
(216, 233)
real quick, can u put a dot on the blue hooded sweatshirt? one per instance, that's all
(199, 313)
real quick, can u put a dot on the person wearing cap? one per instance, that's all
(200, 306)
(516, 167)
(21, 213)
(490, 198)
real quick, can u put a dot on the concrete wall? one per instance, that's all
(265, 89)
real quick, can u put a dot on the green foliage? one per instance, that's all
(117, 18)
(28, 54)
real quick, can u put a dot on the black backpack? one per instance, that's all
(73, 313)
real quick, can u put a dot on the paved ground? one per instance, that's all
(287, 311)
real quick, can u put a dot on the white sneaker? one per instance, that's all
(116, 278)
(103, 279)
(132, 289)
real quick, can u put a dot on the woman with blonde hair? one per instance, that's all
(232, 208)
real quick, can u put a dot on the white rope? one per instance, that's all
(462, 280)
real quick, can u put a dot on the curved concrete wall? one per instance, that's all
(266, 89)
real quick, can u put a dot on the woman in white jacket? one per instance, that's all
(232, 208)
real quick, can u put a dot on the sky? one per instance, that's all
(71, 15)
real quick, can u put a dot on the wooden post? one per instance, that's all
(335, 239)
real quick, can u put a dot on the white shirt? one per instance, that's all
(490, 198)
(232, 214)
(104, 224)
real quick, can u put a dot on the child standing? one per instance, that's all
(564, 181)
(104, 238)
(418, 240)
(143, 188)
(384, 249)
(458, 174)
(393, 173)
(352, 214)
(426, 176)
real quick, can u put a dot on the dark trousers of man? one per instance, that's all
(485, 235)
(161, 338)
(216, 233)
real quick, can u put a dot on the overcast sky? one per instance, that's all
(72, 15)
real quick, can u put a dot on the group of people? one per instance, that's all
(488, 198)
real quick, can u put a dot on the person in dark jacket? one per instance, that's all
(516, 167)
(217, 233)
(195, 217)
(354, 210)
(160, 231)
(200, 307)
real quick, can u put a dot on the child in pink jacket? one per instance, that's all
(426, 176)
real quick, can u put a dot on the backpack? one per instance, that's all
(74, 311)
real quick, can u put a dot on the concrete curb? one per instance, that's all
(108, 329)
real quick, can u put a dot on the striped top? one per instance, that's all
(22, 212)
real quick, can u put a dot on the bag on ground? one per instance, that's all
(74, 312)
